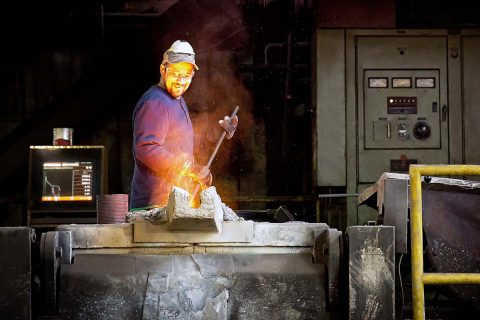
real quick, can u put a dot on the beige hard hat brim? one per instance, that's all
(173, 57)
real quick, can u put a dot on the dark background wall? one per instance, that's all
(84, 64)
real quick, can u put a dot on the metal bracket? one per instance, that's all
(55, 249)
(327, 250)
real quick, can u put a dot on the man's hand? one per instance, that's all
(229, 125)
(201, 174)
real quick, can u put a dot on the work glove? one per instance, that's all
(184, 166)
(229, 125)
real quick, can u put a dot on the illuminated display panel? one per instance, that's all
(65, 178)
(401, 82)
(378, 82)
(67, 181)
(425, 82)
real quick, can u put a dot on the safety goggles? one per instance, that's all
(177, 75)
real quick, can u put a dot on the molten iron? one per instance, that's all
(190, 184)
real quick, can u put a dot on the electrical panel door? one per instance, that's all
(401, 99)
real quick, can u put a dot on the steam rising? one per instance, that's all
(217, 32)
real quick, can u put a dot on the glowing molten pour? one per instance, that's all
(188, 181)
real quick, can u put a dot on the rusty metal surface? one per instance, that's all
(55, 249)
(15, 273)
(371, 272)
(451, 225)
(452, 229)
(374, 195)
(240, 286)
(328, 251)
(395, 211)
(288, 234)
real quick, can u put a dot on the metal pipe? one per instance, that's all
(214, 153)
(451, 278)
(337, 195)
(224, 133)
(449, 170)
(280, 45)
(287, 98)
(270, 198)
(418, 299)
(271, 45)
(419, 279)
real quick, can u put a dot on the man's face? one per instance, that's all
(177, 77)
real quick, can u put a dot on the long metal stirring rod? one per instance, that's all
(214, 153)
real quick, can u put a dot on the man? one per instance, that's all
(163, 134)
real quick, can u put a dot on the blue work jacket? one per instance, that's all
(162, 130)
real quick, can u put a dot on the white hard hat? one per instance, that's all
(181, 46)
(180, 51)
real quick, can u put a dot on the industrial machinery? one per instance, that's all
(255, 270)
(188, 263)
(385, 101)
(251, 270)
(437, 226)
(389, 98)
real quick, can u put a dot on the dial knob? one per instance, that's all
(403, 130)
(421, 130)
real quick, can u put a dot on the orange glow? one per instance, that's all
(189, 181)
(67, 198)
(177, 85)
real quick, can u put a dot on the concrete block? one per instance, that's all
(157, 233)
(85, 236)
(182, 217)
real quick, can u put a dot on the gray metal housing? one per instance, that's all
(359, 131)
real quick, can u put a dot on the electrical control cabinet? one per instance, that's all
(392, 98)
(402, 114)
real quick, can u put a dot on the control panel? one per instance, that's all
(401, 109)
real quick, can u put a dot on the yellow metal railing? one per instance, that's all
(419, 278)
